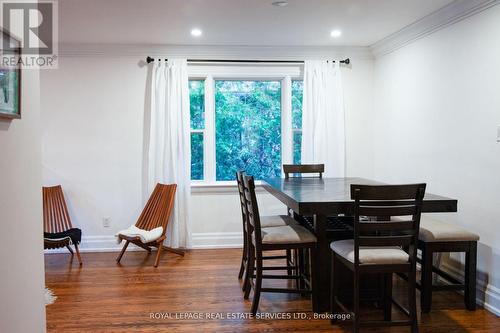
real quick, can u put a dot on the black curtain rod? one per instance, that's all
(346, 61)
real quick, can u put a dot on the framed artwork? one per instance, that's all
(10, 78)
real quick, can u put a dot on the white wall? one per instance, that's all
(92, 118)
(437, 105)
(92, 144)
(21, 248)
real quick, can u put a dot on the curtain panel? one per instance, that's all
(169, 149)
(323, 129)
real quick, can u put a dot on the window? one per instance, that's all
(248, 128)
(197, 108)
(297, 90)
(244, 118)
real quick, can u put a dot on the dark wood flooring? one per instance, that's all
(103, 296)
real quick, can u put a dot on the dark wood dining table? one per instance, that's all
(324, 197)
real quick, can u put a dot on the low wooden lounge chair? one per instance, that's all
(155, 214)
(58, 231)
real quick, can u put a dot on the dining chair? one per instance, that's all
(377, 247)
(297, 170)
(336, 223)
(291, 236)
(58, 231)
(339, 227)
(155, 214)
(438, 237)
(266, 222)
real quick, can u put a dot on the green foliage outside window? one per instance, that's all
(297, 93)
(297, 88)
(297, 144)
(197, 156)
(197, 109)
(248, 128)
(197, 103)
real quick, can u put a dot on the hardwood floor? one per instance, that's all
(103, 296)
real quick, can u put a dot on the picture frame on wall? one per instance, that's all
(10, 77)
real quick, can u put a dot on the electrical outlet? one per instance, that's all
(106, 222)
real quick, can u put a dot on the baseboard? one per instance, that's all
(217, 240)
(207, 240)
(488, 295)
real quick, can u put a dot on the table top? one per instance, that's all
(332, 195)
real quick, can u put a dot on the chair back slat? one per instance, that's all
(372, 226)
(303, 169)
(154, 220)
(163, 214)
(396, 210)
(157, 211)
(62, 212)
(386, 211)
(386, 192)
(147, 213)
(55, 212)
(403, 240)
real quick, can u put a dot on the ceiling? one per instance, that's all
(238, 22)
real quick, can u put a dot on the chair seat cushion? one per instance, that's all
(275, 221)
(74, 234)
(145, 236)
(368, 254)
(437, 231)
(291, 233)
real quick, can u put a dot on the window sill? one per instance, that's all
(220, 187)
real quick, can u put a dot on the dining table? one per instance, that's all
(322, 198)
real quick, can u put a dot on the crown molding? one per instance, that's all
(214, 51)
(452, 13)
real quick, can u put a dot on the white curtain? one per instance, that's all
(323, 133)
(169, 149)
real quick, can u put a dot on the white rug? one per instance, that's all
(49, 296)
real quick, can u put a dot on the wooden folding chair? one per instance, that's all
(155, 214)
(57, 223)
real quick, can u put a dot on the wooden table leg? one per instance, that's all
(321, 267)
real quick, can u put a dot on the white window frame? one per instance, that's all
(212, 72)
(202, 131)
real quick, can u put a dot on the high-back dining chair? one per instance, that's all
(266, 222)
(239, 181)
(291, 169)
(57, 228)
(156, 213)
(338, 227)
(377, 247)
(291, 236)
(300, 169)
